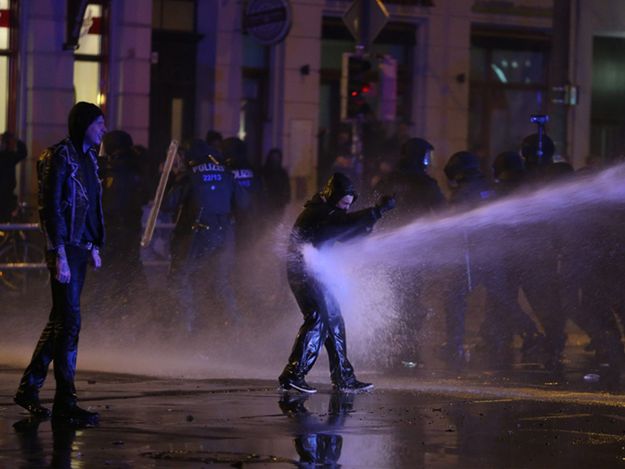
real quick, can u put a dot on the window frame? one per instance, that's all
(103, 58)
(13, 67)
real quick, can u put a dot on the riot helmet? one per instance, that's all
(530, 147)
(235, 152)
(199, 151)
(508, 166)
(415, 155)
(462, 165)
(214, 138)
(117, 141)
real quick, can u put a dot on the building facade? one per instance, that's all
(467, 75)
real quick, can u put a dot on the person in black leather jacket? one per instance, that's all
(323, 221)
(70, 208)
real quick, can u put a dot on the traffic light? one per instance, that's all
(357, 86)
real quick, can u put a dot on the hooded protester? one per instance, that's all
(70, 208)
(324, 221)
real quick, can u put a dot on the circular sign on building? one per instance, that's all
(268, 21)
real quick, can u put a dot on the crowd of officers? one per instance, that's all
(566, 268)
(214, 196)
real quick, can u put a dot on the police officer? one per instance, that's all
(202, 244)
(235, 153)
(470, 190)
(124, 194)
(416, 192)
(417, 195)
(504, 316)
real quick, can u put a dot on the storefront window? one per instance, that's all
(88, 58)
(508, 84)
(5, 15)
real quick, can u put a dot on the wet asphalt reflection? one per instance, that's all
(408, 421)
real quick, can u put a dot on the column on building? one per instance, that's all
(207, 21)
(300, 109)
(605, 18)
(441, 107)
(47, 80)
(226, 99)
(130, 54)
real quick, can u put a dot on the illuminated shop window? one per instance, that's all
(88, 58)
(5, 52)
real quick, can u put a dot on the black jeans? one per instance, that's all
(59, 339)
(323, 325)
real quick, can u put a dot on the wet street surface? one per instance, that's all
(416, 419)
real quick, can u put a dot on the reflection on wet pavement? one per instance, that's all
(409, 421)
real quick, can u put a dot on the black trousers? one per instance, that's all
(59, 339)
(201, 271)
(323, 325)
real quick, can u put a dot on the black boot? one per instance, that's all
(30, 402)
(73, 413)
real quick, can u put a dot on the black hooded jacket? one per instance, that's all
(321, 223)
(63, 193)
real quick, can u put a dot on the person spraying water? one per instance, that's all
(324, 221)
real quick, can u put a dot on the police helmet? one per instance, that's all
(199, 151)
(414, 154)
(461, 165)
(529, 150)
(508, 165)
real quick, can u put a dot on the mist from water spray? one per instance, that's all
(363, 274)
(143, 334)
(367, 276)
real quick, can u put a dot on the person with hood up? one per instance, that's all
(323, 221)
(70, 208)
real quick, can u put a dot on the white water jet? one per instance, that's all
(362, 273)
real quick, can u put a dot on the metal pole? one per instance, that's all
(365, 25)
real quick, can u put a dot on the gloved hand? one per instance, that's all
(386, 203)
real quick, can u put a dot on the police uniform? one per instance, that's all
(203, 248)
